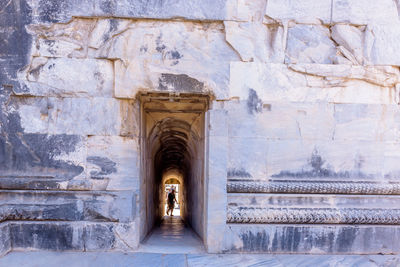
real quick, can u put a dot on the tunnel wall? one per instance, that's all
(303, 128)
(195, 188)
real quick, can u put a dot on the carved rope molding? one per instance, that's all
(313, 215)
(317, 187)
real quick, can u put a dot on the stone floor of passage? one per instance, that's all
(172, 237)
(106, 259)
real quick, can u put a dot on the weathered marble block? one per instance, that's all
(247, 158)
(314, 83)
(77, 236)
(366, 122)
(68, 77)
(5, 240)
(48, 11)
(314, 239)
(256, 41)
(67, 206)
(310, 44)
(78, 115)
(366, 160)
(361, 12)
(116, 159)
(308, 11)
(280, 120)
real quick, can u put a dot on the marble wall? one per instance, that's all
(302, 127)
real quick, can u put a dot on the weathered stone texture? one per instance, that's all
(62, 236)
(61, 11)
(312, 239)
(303, 93)
(5, 244)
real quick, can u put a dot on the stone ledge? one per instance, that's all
(316, 187)
(262, 215)
(67, 206)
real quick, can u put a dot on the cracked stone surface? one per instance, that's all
(300, 91)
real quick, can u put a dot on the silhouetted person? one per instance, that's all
(171, 201)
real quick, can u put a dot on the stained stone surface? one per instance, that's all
(196, 260)
(301, 130)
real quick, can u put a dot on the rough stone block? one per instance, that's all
(64, 236)
(351, 41)
(5, 240)
(127, 235)
(310, 44)
(105, 29)
(247, 158)
(272, 120)
(88, 116)
(99, 237)
(68, 77)
(61, 40)
(327, 160)
(315, 239)
(255, 41)
(114, 158)
(170, 57)
(308, 11)
(48, 11)
(361, 12)
(218, 122)
(313, 83)
(34, 113)
(366, 122)
(41, 155)
(391, 159)
(382, 41)
(50, 236)
(67, 205)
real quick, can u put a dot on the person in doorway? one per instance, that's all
(171, 201)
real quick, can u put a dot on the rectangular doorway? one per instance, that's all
(173, 152)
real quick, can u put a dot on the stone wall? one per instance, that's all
(302, 129)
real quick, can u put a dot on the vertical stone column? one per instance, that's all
(216, 177)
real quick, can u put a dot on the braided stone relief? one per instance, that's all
(313, 215)
(315, 187)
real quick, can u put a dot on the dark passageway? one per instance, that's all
(173, 149)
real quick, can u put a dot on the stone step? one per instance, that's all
(61, 236)
(67, 205)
